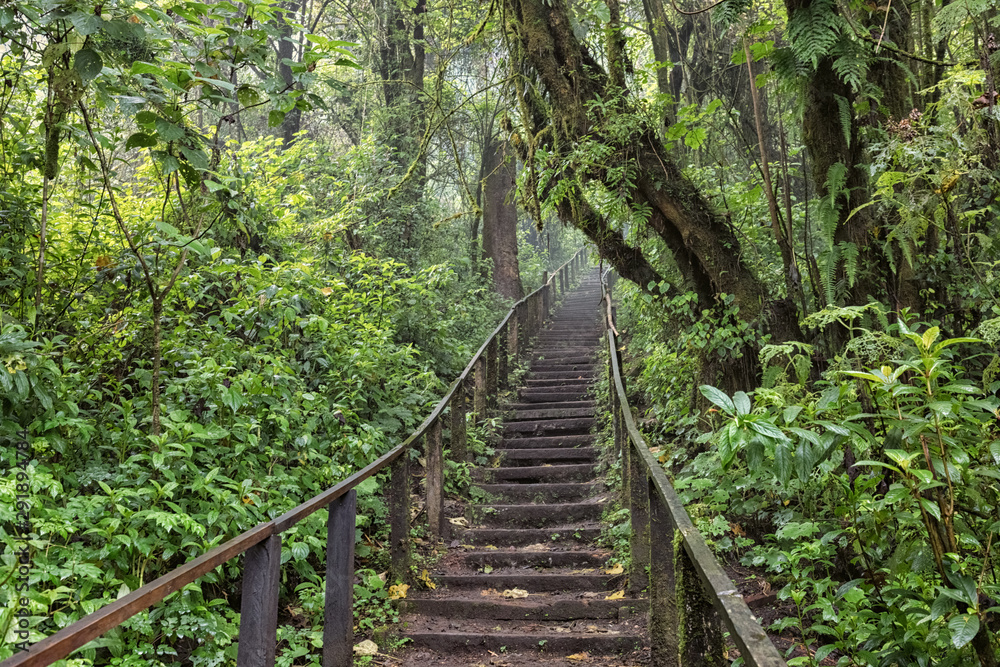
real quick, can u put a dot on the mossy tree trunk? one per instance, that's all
(574, 100)
(500, 217)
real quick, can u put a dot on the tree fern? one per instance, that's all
(849, 254)
(814, 31)
(851, 60)
(844, 109)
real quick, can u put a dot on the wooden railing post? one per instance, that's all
(638, 577)
(338, 609)
(502, 379)
(663, 625)
(259, 605)
(545, 294)
(492, 366)
(459, 441)
(701, 642)
(513, 333)
(435, 480)
(479, 394)
(399, 518)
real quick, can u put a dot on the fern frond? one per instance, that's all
(849, 254)
(844, 107)
(814, 30)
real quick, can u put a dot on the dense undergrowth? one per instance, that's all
(865, 493)
(285, 367)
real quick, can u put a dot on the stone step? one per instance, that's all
(562, 358)
(553, 492)
(498, 639)
(551, 405)
(575, 472)
(476, 560)
(582, 383)
(560, 375)
(549, 426)
(533, 582)
(508, 537)
(552, 607)
(547, 442)
(552, 394)
(543, 455)
(536, 515)
(546, 412)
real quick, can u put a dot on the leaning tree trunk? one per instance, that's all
(500, 217)
(563, 115)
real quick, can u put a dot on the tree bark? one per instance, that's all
(705, 247)
(500, 217)
(292, 122)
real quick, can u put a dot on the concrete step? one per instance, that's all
(551, 455)
(550, 405)
(550, 426)
(547, 442)
(476, 560)
(533, 583)
(535, 515)
(509, 537)
(552, 607)
(549, 492)
(577, 472)
(546, 412)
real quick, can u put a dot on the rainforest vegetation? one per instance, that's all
(245, 245)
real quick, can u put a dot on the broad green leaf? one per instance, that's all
(963, 628)
(718, 397)
(275, 118)
(995, 451)
(695, 138)
(168, 131)
(769, 430)
(88, 64)
(931, 508)
(140, 140)
(783, 462)
(804, 459)
(790, 413)
(248, 96)
(941, 606)
(146, 68)
(146, 117)
(742, 403)
(929, 337)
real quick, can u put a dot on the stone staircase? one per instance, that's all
(525, 583)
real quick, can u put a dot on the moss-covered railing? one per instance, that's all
(690, 596)
(475, 389)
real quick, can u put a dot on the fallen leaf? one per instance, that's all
(615, 596)
(578, 656)
(459, 521)
(490, 591)
(398, 591)
(617, 569)
(367, 647)
(564, 630)
(517, 593)
(490, 547)
(487, 569)
(426, 578)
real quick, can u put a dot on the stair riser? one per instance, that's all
(553, 441)
(549, 426)
(537, 516)
(579, 559)
(554, 644)
(565, 473)
(537, 583)
(562, 610)
(515, 537)
(541, 492)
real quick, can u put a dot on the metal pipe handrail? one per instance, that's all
(262, 543)
(684, 618)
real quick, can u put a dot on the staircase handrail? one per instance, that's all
(684, 622)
